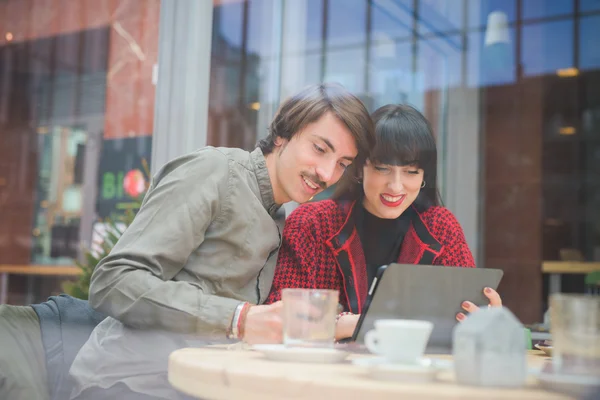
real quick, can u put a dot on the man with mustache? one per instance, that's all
(200, 255)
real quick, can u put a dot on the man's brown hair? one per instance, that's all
(313, 102)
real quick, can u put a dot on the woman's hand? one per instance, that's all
(491, 294)
(345, 326)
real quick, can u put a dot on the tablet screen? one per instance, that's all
(425, 292)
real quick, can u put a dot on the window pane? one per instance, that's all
(547, 47)
(440, 16)
(491, 62)
(346, 23)
(480, 11)
(589, 51)
(390, 73)
(243, 82)
(440, 62)
(347, 67)
(259, 34)
(76, 119)
(589, 5)
(310, 15)
(228, 24)
(491, 129)
(391, 20)
(545, 8)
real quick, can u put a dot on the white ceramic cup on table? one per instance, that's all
(399, 340)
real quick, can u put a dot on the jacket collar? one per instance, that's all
(425, 238)
(348, 261)
(264, 182)
(420, 228)
(338, 240)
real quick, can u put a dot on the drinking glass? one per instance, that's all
(575, 329)
(309, 317)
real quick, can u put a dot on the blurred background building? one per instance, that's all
(512, 88)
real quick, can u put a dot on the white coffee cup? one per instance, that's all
(399, 340)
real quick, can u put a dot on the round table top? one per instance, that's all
(220, 373)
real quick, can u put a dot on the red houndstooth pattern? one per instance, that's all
(306, 261)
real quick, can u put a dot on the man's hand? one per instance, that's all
(263, 324)
(491, 294)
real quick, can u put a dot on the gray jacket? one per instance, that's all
(205, 239)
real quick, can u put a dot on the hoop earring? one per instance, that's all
(423, 184)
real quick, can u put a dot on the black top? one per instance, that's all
(381, 239)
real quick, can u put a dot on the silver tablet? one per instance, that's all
(425, 292)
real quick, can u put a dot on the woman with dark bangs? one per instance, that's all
(393, 213)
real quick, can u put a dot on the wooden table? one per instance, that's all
(556, 268)
(32, 270)
(242, 374)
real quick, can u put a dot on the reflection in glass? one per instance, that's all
(545, 8)
(52, 93)
(479, 10)
(346, 23)
(490, 56)
(313, 22)
(589, 5)
(391, 20)
(460, 68)
(241, 69)
(59, 197)
(589, 51)
(590, 126)
(391, 79)
(547, 47)
(440, 61)
(306, 70)
(227, 26)
(440, 16)
(258, 32)
(346, 67)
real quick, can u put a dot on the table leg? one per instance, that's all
(3, 288)
(554, 283)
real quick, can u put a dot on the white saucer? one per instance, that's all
(379, 368)
(279, 352)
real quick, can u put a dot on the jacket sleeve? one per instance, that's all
(134, 283)
(296, 262)
(455, 252)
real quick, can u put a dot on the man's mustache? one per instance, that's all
(316, 180)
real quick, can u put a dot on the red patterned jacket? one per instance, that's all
(321, 249)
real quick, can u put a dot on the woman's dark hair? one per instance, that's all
(402, 137)
(310, 104)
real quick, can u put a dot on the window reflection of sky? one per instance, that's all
(440, 61)
(478, 11)
(259, 33)
(545, 8)
(490, 65)
(230, 22)
(440, 16)
(346, 23)
(547, 45)
(589, 50)
(589, 5)
(390, 23)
